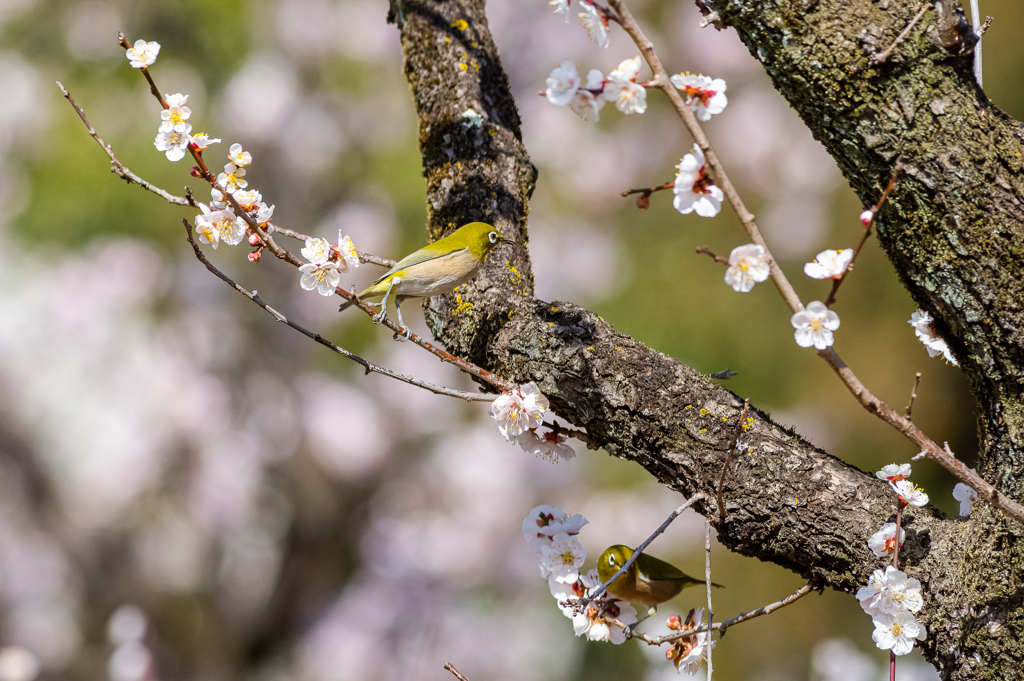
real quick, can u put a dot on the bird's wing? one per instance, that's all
(416, 258)
(655, 568)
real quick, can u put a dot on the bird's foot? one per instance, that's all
(404, 336)
(380, 316)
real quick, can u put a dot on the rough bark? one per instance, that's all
(952, 230)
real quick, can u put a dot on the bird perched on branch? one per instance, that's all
(435, 269)
(648, 580)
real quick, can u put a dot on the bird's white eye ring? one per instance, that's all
(611, 560)
(493, 236)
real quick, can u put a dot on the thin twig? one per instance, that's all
(879, 58)
(837, 281)
(594, 595)
(976, 23)
(649, 190)
(913, 393)
(707, 582)
(717, 172)
(368, 367)
(455, 672)
(733, 446)
(363, 257)
(116, 166)
(704, 250)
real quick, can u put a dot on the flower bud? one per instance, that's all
(674, 623)
(254, 257)
(196, 172)
(867, 216)
(254, 239)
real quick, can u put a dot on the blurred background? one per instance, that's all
(191, 491)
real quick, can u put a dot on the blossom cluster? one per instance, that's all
(565, 87)
(551, 533)
(892, 598)
(924, 329)
(327, 262)
(687, 653)
(897, 475)
(519, 415)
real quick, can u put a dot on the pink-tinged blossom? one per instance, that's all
(897, 632)
(548, 445)
(622, 89)
(248, 199)
(594, 24)
(829, 264)
(814, 326)
(544, 522)
(748, 265)
(173, 143)
(175, 116)
(239, 157)
(214, 226)
(706, 96)
(507, 410)
(924, 328)
(883, 542)
(142, 53)
(909, 492)
(535, 405)
(966, 496)
(561, 7)
(562, 558)
(694, 190)
(867, 216)
(562, 84)
(203, 141)
(320, 273)
(687, 653)
(589, 99)
(597, 622)
(347, 254)
(894, 472)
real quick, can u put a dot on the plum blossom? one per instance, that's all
(687, 653)
(203, 141)
(622, 89)
(693, 189)
(173, 143)
(704, 95)
(248, 199)
(814, 325)
(909, 492)
(562, 558)
(348, 256)
(562, 84)
(544, 522)
(589, 99)
(867, 216)
(924, 328)
(176, 115)
(890, 591)
(239, 157)
(561, 7)
(520, 410)
(219, 225)
(233, 178)
(883, 542)
(548, 445)
(594, 24)
(829, 264)
(747, 266)
(966, 496)
(142, 53)
(264, 214)
(320, 272)
(897, 632)
(894, 472)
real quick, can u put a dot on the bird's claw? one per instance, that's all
(380, 316)
(404, 336)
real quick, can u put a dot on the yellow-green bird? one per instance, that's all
(648, 580)
(434, 269)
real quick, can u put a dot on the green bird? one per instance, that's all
(648, 580)
(435, 269)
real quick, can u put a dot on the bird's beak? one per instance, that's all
(505, 240)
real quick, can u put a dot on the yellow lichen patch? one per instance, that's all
(460, 24)
(461, 305)
(490, 131)
(689, 406)
(447, 39)
(704, 412)
(463, 67)
(513, 270)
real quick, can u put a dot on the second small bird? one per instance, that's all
(435, 269)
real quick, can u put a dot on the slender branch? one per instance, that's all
(455, 672)
(978, 31)
(913, 393)
(878, 59)
(707, 578)
(733, 446)
(661, 81)
(649, 190)
(704, 250)
(368, 367)
(119, 168)
(583, 603)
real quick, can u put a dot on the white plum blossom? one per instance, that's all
(233, 178)
(897, 632)
(814, 326)
(924, 328)
(562, 84)
(883, 542)
(547, 445)
(544, 522)
(214, 226)
(890, 591)
(176, 115)
(348, 256)
(173, 143)
(870, 594)
(747, 266)
(622, 89)
(239, 157)
(203, 141)
(562, 558)
(894, 472)
(597, 621)
(689, 652)
(829, 264)
(142, 53)
(706, 96)
(248, 199)
(561, 7)
(535, 405)
(264, 214)
(594, 24)
(966, 496)
(589, 99)
(909, 492)
(694, 191)
(522, 409)
(320, 273)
